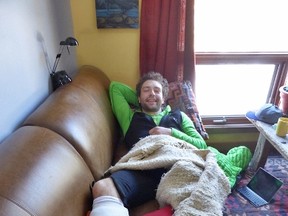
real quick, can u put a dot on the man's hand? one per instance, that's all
(160, 130)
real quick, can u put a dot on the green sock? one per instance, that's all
(236, 160)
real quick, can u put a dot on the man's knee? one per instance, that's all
(105, 187)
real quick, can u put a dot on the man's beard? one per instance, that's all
(150, 109)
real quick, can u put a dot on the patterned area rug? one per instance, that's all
(236, 205)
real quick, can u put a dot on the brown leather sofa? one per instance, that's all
(47, 164)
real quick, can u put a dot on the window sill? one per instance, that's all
(230, 126)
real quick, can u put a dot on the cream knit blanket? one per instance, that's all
(194, 185)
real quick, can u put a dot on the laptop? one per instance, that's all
(261, 188)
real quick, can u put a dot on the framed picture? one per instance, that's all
(117, 13)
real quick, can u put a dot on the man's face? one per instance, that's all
(151, 97)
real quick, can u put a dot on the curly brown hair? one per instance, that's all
(152, 75)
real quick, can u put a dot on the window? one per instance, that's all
(241, 56)
(232, 89)
(241, 25)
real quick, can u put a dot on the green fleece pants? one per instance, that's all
(236, 160)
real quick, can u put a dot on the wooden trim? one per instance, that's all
(240, 58)
(236, 121)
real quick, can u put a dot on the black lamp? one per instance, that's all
(60, 78)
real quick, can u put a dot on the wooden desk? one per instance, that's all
(267, 133)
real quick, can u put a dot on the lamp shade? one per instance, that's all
(70, 41)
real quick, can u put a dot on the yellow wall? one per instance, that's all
(115, 51)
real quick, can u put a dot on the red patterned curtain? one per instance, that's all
(167, 39)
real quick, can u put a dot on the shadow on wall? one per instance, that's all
(30, 35)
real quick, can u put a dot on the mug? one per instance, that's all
(282, 127)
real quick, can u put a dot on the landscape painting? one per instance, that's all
(117, 13)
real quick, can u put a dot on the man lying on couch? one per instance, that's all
(128, 188)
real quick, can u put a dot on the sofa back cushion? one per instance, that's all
(80, 112)
(42, 174)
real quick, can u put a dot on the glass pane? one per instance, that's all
(232, 89)
(241, 25)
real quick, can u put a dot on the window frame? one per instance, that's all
(280, 60)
